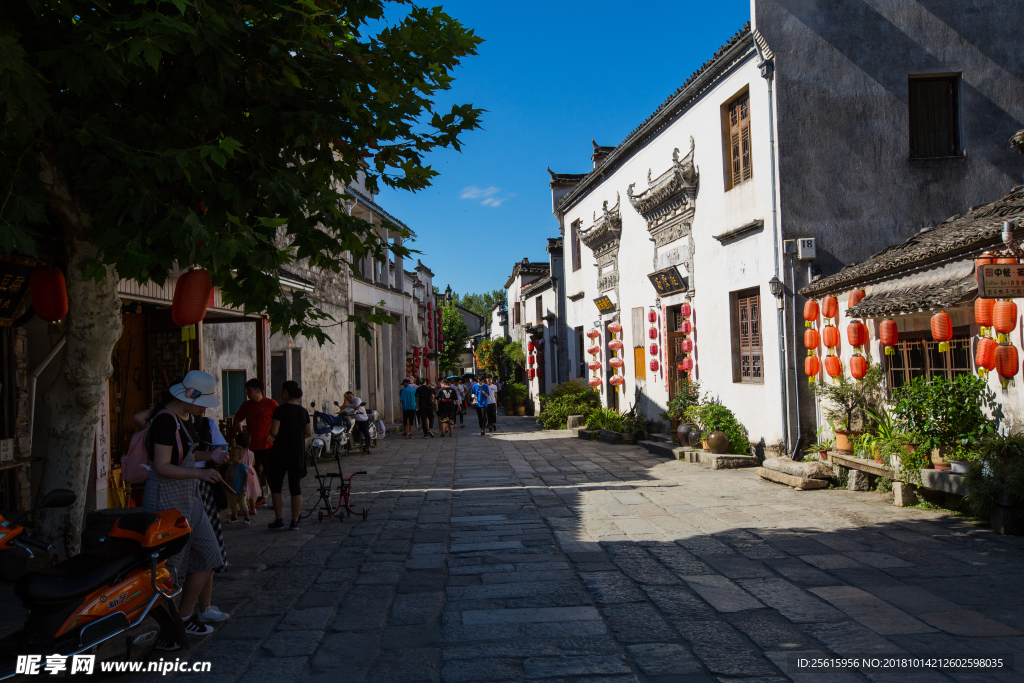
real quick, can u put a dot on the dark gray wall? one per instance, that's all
(845, 176)
(841, 79)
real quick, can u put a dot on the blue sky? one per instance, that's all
(552, 76)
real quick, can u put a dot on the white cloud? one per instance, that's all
(486, 195)
(474, 192)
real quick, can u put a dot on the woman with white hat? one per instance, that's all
(172, 444)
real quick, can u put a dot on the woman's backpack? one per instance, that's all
(135, 464)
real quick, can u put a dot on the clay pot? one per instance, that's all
(521, 410)
(683, 433)
(718, 443)
(843, 443)
(823, 455)
(694, 437)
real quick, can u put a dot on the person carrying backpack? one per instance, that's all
(447, 406)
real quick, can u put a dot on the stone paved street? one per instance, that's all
(534, 556)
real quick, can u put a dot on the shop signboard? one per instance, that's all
(668, 281)
(1000, 281)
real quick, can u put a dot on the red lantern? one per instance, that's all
(985, 259)
(654, 366)
(687, 346)
(685, 310)
(685, 327)
(983, 312)
(858, 366)
(811, 338)
(430, 344)
(652, 317)
(985, 356)
(430, 316)
(614, 328)
(616, 363)
(594, 350)
(812, 366)
(617, 380)
(594, 365)
(856, 296)
(615, 345)
(830, 337)
(1007, 364)
(686, 365)
(191, 297)
(540, 358)
(430, 305)
(531, 360)
(415, 351)
(942, 329)
(529, 347)
(830, 307)
(810, 310)
(1004, 316)
(833, 366)
(430, 334)
(50, 293)
(653, 349)
(857, 333)
(426, 362)
(593, 334)
(1006, 261)
(652, 332)
(595, 381)
(533, 373)
(889, 336)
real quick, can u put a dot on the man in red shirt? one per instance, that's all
(257, 413)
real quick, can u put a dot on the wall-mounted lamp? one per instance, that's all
(775, 287)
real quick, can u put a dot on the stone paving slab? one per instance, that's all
(533, 556)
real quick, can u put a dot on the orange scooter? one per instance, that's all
(113, 601)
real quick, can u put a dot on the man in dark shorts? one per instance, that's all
(289, 430)
(425, 404)
(407, 396)
(257, 413)
(447, 406)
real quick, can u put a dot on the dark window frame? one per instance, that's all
(540, 309)
(577, 256)
(934, 127)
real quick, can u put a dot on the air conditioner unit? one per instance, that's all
(805, 249)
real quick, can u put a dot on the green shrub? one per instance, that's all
(688, 395)
(556, 408)
(945, 412)
(998, 471)
(515, 394)
(605, 418)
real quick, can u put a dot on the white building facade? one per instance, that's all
(672, 232)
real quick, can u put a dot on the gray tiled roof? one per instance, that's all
(960, 236)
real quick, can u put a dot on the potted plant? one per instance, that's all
(845, 401)
(694, 416)
(722, 431)
(947, 413)
(822, 447)
(687, 395)
(995, 482)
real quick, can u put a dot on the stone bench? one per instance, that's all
(800, 475)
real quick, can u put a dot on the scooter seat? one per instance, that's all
(79, 575)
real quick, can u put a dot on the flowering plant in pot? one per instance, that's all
(687, 395)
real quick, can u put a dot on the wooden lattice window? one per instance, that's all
(747, 338)
(919, 356)
(934, 115)
(577, 259)
(738, 161)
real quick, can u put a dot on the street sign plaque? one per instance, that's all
(668, 281)
(1000, 281)
(604, 304)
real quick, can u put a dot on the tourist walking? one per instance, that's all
(407, 397)
(492, 404)
(460, 391)
(289, 429)
(172, 444)
(480, 399)
(242, 440)
(257, 412)
(447, 407)
(425, 405)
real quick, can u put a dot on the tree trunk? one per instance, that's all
(92, 328)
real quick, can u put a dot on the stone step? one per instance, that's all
(660, 437)
(667, 450)
(799, 483)
(716, 462)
